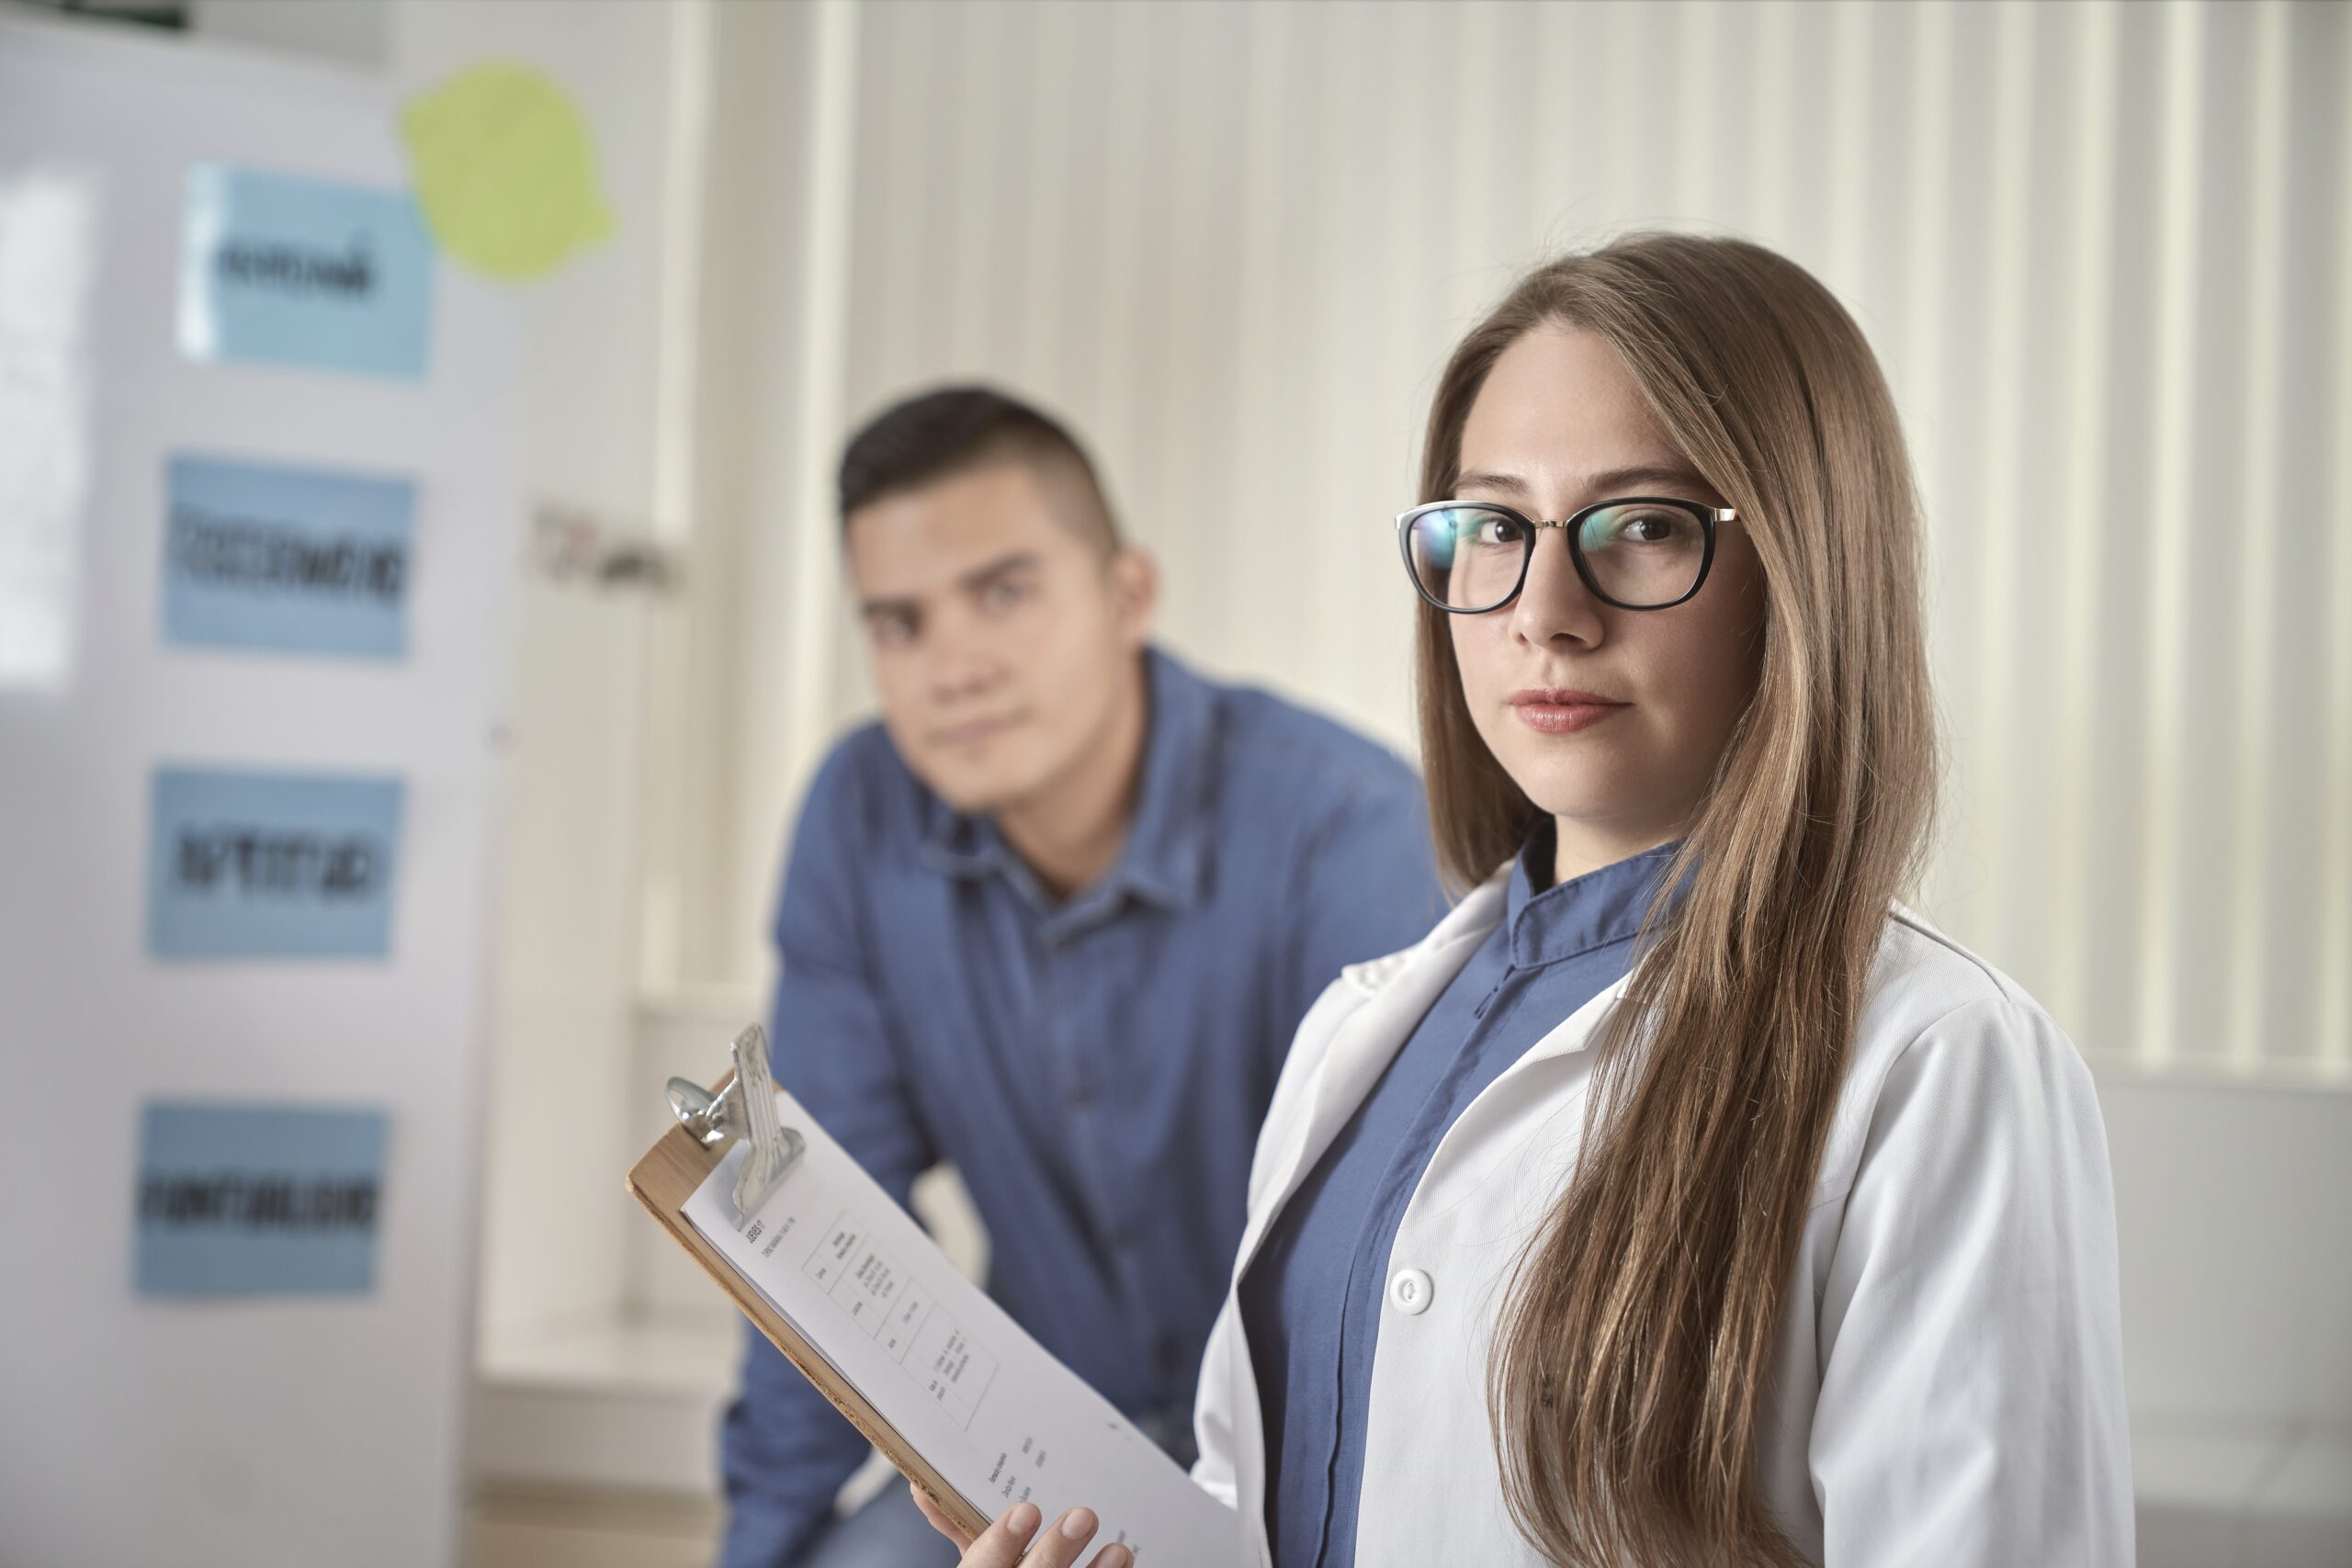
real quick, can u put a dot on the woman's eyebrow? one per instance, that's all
(1609, 481)
(1676, 474)
(1478, 478)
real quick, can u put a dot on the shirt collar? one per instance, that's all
(1582, 913)
(1165, 858)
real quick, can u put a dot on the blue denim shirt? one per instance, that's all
(1310, 1302)
(1096, 1069)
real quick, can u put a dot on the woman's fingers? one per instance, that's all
(1000, 1545)
(1015, 1540)
(1003, 1544)
(1058, 1546)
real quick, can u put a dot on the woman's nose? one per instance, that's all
(1554, 602)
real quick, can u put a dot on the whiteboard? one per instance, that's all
(267, 1429)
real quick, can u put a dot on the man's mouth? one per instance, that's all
(976, 731)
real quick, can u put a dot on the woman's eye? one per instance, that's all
(1644, 528)
(1496, 531)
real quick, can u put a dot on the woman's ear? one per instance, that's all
(1135, 593)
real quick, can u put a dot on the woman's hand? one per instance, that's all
(1001, 1544)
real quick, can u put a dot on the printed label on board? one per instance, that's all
(240, 1200)
(271, 865)
(291, 559)
(285, 269)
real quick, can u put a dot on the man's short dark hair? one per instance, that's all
(934, 435)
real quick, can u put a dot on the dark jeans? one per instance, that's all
(889, 1531)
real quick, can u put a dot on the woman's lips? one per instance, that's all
(1561, 711)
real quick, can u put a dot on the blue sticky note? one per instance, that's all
(271, 865)
(284, 269)
(242, 1200)
(293, 559)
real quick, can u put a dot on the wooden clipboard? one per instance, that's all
(670, 1173)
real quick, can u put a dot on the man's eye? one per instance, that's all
(1003, 596)
(893, 629)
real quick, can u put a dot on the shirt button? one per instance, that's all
(1408, 1292)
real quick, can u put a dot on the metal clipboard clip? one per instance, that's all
(744, 1108)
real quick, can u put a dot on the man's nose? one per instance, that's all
(962, 662)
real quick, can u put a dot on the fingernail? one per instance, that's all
(1022, 1519)
(1078, 1523)
(1116, 1556)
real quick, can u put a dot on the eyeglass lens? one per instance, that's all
(1640, 554)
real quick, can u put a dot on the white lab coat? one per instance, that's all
(1948, 1390)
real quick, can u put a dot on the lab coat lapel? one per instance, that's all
(1365, 1041)
(1545, 1086)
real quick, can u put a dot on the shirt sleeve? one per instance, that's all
(784, 1450)
(1368, 886)
(1971, 1411)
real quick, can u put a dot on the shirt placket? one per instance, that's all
(1069, 1025)
(1367, 1288)
(1350, 1324)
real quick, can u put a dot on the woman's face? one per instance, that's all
(1612, 720)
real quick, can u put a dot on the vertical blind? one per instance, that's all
(2103, 252)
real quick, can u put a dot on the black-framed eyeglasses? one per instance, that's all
(1643, 552)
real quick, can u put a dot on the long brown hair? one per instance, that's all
(1631, 1363)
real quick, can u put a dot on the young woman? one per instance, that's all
(1682, 1199)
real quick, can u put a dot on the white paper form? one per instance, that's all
(998, 1417)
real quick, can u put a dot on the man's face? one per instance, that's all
(1003, 639)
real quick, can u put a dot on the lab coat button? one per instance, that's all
(1408, 1291)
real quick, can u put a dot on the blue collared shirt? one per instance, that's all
(1096, 1069)
(1310, 1302)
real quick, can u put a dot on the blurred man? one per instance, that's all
(1053, 920)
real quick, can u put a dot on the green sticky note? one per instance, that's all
(504, 171)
